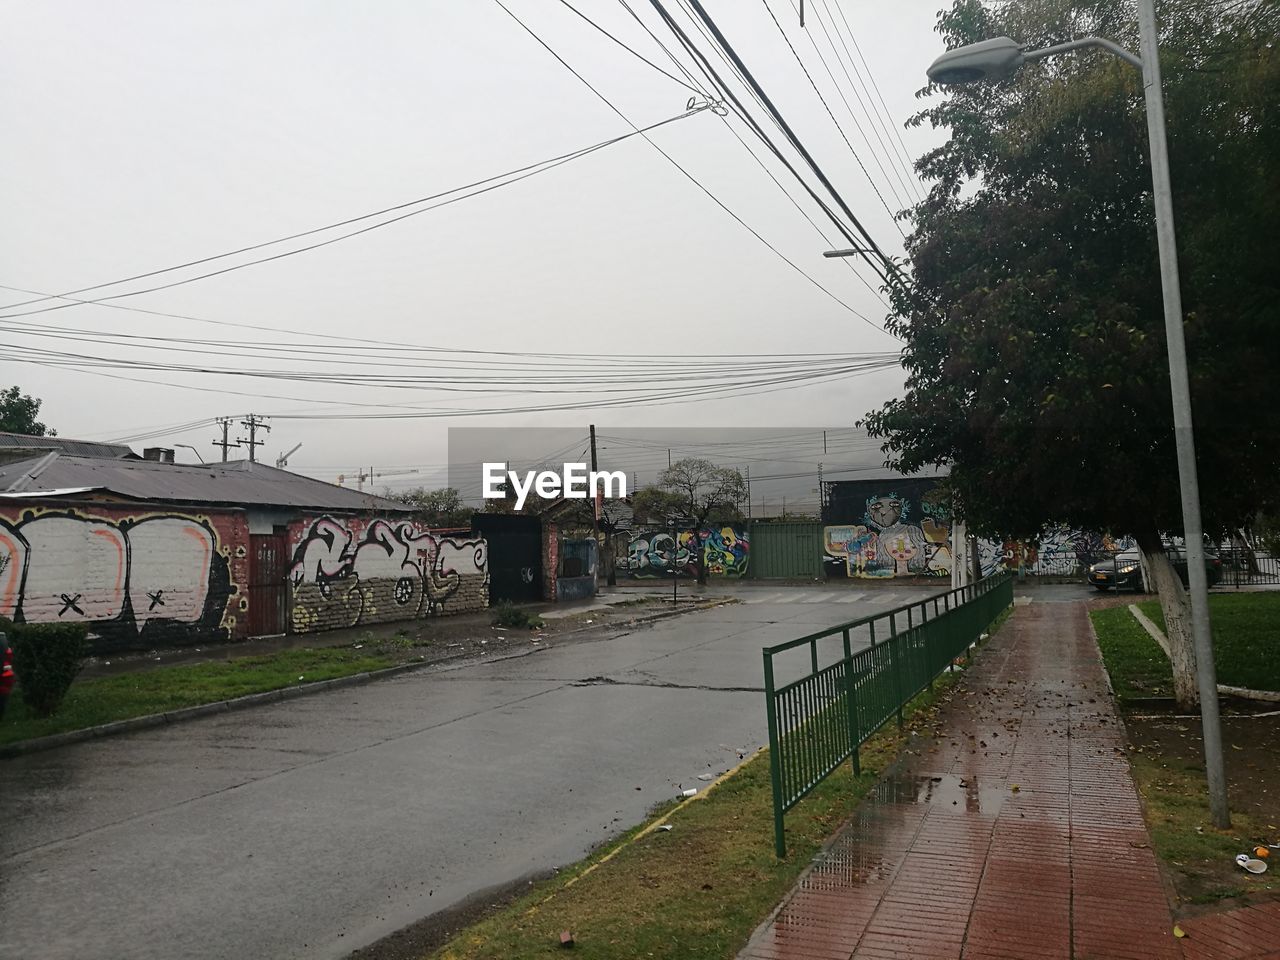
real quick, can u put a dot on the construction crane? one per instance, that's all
(361, 476)
(282, 461)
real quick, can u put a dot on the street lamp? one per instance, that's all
(998, 58)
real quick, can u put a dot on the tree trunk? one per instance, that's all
(1175, 604)
(610, 545)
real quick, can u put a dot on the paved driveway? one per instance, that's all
(312, 827)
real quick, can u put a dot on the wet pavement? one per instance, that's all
(1017, 834)
(312, 827)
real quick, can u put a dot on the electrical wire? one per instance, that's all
(714, 81)
(888, 154)
(875, 86)
(686, 173)
(827, 107)
(881, 265)
(477, 188)
(631, 50)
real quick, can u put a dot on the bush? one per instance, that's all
(47, 657)
(507, 614)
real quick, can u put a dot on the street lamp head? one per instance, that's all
(992, 59)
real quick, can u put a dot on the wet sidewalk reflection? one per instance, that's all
(1016, 833)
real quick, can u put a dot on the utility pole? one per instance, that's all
(254, 423)
(668, 458)
(748, 491)
(224, 443)
(595, 504)
(821, 495)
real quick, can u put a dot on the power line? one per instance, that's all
(876, 154)
(875, 86)
(740, 110)
(874, 116)
(477, 188)
(885, 262)
(722, 44)
(631, 50)
(686, 173)
(826, 106)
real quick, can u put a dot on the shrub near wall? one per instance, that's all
(47, 658)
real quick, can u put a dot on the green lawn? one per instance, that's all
(1137, 665)
(91, 702)
(1246, 637)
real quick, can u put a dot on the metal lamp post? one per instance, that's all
(998, 58)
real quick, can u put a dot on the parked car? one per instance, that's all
(1124, 570)
(6, 673)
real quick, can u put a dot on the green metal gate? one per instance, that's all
(786, 550)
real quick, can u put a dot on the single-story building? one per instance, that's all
(150, 552)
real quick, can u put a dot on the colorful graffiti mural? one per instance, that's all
(724, 550)
(134, 580)
(884, 543)
(1060, 552)
(347, 572)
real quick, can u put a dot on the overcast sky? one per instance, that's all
(143, 135)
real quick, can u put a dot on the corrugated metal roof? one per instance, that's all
(77, 448)
(238, 483)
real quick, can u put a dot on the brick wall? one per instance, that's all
(352, 571)
(137, 577)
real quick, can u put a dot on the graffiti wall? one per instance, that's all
(358, 571)
(137, 579)
(891, 530)
(1061, 552)
(724, 550)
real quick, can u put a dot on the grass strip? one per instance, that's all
(1138, 667)
(695, 892)
(1174, 793)
(104, 699)
(1246, 637)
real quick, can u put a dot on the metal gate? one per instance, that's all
(268, 583)
(786, 550)
(515, 555)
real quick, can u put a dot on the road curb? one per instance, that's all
(151, 720)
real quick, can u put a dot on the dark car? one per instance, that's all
(1124, 570)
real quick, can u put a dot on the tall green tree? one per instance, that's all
(1035, 348)
(18, 414)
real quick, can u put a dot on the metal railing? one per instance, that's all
(820, 719)
(1245, 567)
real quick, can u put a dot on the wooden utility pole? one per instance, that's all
(254, 423)
(224, 443)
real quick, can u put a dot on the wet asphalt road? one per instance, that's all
(315, 826)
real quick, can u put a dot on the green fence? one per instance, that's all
(819, 719)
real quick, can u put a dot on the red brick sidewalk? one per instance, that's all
(1019, 836)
